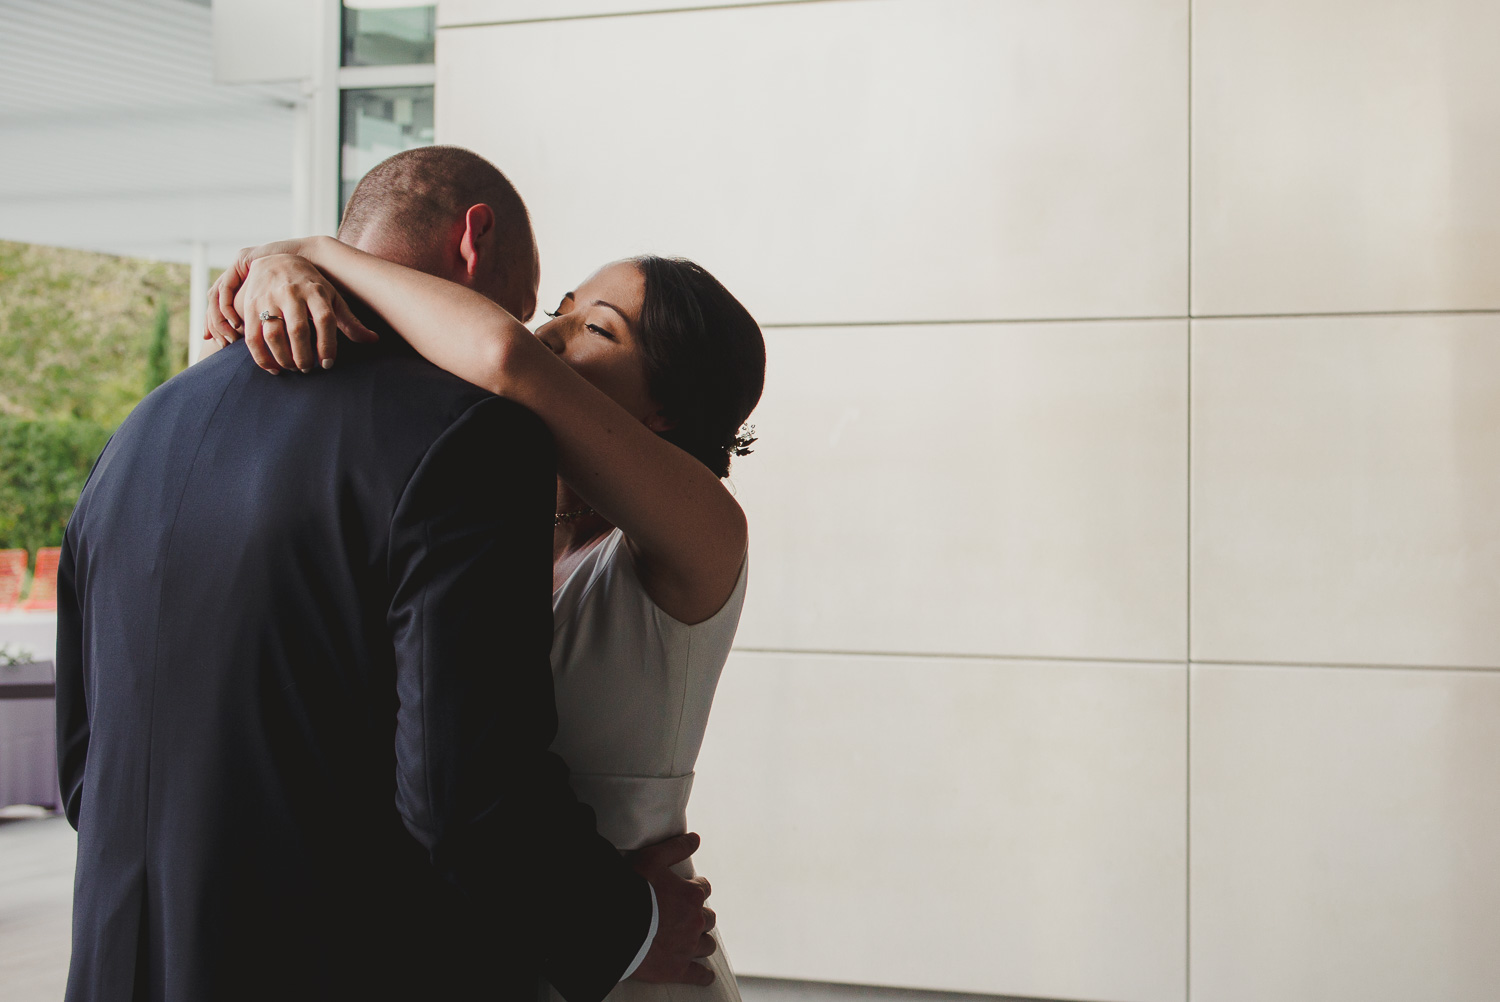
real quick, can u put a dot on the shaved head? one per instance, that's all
(409, 206)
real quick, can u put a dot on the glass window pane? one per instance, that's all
(376, 123)
(388, 36)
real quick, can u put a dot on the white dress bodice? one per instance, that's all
(634, 687)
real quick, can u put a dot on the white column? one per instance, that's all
(197, 300)
(323, 112)
(301, 163)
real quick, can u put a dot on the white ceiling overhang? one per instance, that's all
(114, 136)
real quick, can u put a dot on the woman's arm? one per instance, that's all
(686, 529)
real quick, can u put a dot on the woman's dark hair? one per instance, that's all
(705, 359)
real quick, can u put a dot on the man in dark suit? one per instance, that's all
(304, 699)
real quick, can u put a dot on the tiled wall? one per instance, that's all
(1125, 607)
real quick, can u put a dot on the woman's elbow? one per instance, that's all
(497, 363)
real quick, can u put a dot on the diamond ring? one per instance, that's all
(268, 315)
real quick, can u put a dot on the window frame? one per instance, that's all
(357, 78)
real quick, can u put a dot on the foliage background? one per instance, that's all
(75, 339)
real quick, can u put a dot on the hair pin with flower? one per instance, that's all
(743, 440)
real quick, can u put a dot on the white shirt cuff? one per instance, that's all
(650, 937)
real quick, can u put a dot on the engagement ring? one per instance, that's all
(268, 315)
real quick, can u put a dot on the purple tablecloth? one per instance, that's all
(28, 736)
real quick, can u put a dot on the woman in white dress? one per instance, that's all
(645, 375)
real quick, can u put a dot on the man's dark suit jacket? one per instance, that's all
(304, 700)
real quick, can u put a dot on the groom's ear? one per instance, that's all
(477, 240)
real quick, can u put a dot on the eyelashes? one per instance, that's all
(594, 328)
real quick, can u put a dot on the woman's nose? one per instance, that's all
(548, 335)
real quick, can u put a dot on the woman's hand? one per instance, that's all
(274, 278)
(222, 319)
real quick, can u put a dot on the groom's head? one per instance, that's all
(449, 212)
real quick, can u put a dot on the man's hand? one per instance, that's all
(682, 920)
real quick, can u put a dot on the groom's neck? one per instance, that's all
(430, 259)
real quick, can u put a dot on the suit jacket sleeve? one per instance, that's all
(471, 616)
(73, 729)
(72, 702)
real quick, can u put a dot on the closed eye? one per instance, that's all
(566, 299)
(600, 331)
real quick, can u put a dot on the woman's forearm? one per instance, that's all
(453, 327)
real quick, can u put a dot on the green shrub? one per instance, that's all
(43, 466)
(158, 350)
(82, 336)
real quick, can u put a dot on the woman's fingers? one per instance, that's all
(297, 321)
(228, 285)
(288, 337)
(338, 317)
(273, 333)
(326, 325)
(256, 342)
(292, 315)
(218, 328)
(353, 328)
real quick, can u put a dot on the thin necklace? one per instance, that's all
(560, 517)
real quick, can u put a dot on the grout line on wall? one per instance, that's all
(1189, 157)
(956, 657)
(1000, 321)
(1187, 814)
(1334, 314)
(985, 322)
(1187, 835)
(1344, 666)
(696, 8)
(1068, 659)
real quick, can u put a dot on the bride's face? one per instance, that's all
(596, 330)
